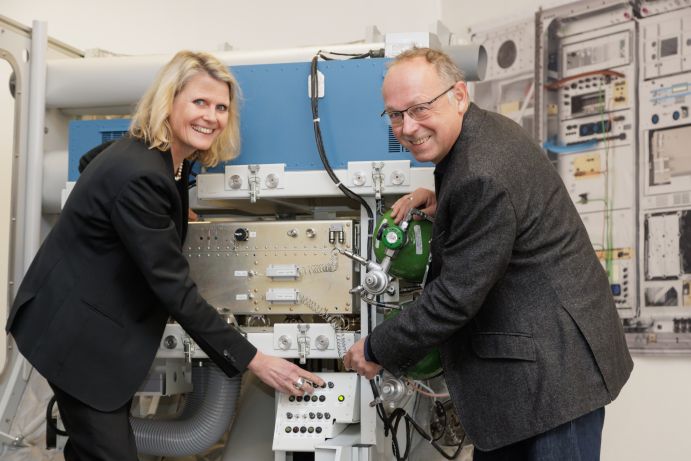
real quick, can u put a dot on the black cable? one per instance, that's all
(410, 289)
(314, 100)
(391, 422)
(385, 305)
(369, 54)
(322, 153)
(433, 442)
(439, 407)
(396, 416)
(49, 418)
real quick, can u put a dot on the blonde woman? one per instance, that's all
(90, 311)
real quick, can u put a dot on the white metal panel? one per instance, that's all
(662, 247)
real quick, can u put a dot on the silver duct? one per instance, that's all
(204, 419)
(77, 85)
(471, 59)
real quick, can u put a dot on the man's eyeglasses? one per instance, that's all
(417, 111)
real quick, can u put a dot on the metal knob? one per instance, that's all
(235, 182)
(241, 234)
(322, 342)
(271, 181)
(170, 342)
(284, 342)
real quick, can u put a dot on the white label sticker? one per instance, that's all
(418, 239)
(240, 297)
(253, 234)
(241, 273)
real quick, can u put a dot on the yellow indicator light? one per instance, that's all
(341, 398)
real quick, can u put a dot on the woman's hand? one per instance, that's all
(422, 199)
(284, 376)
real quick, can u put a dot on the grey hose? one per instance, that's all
(205, 417)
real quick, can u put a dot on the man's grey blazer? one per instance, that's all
(519, 305)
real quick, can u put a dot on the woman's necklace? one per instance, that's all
(178, 172)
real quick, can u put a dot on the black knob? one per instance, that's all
(331, 384)
(296, 429)
(241, 234)
(310, 429)
(322, 398)
(298, 398)
(289, 415)
(312, 415)
(327, 415)
(303, 429)
(319, 430)
(291, 398)
(314, 398)
(319, 416)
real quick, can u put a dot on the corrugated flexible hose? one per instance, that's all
(205, 417)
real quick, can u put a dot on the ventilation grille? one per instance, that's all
(112, 135)
(682, 198)
(394, 145)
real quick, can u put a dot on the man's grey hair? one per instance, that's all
(445, 67)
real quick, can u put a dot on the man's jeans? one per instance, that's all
(577, 440)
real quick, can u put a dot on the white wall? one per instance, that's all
(649, 421)
(164, 26)
(461, 15)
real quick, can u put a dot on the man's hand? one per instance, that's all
(355, 360)
(283, 375)
(422, 199)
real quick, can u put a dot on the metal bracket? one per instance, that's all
(303, 342)
(377, 179)
(188, 346)
(254, 182)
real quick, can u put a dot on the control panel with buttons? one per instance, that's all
(665, 102)
(595, 94)
(304, 422)
(610, 131)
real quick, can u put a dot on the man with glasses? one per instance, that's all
(516, 299)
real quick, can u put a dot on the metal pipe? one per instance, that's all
(37, 113)
(54, 177)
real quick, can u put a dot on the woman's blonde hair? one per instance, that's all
(150, 121)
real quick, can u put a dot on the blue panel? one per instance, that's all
(276, 117)
(86, 134)
(276, 123)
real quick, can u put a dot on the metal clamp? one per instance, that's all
(254, 182)
(188, 348)
(377, 179)
(303, 342)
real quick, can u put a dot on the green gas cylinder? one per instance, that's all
(430, 365)
(413, 245)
